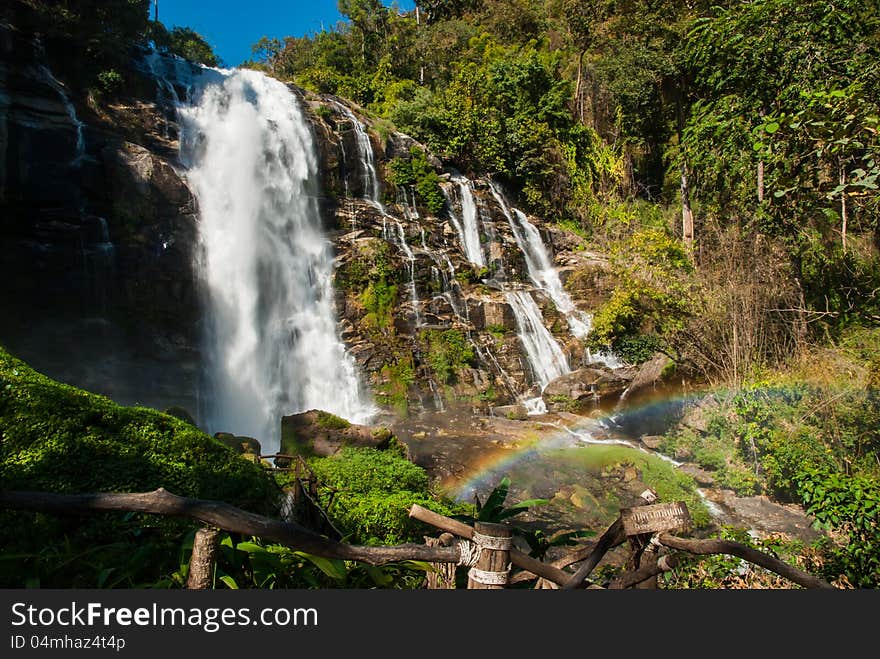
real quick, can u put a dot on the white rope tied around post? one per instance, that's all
(492, 542)
(468, 553)
(488, 578)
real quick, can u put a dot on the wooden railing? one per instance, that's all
(486, 549)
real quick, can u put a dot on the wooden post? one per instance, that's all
(442, 575)
(492, 569)
(201, 562)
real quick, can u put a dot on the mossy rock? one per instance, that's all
(319, 433)
(57, 438)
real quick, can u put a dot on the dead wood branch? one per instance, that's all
(226, 517)
(612, 537)
(713, 546)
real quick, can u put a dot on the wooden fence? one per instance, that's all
(485, 549)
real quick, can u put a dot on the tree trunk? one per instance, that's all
(578, 90)
(687, 215)
(843, 218)
(760, 181)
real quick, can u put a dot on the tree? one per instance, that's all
(190, 45)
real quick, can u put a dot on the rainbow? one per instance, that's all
(618, 426)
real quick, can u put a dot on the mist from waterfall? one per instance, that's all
(267, 266)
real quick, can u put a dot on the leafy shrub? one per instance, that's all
(448, 352)
(374, 492)
(850, 506)
(416, 171)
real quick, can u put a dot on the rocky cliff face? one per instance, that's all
(101, 236)
(431, 328)
(99, 233)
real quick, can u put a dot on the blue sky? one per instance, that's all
(233, 26)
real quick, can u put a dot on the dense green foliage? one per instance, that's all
(448, 352)
(808, 441)
(372, 492)
(416, 171)
(57, 438)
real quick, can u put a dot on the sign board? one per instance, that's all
(656, 518)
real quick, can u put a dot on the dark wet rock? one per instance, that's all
(649, 374)
(515, 412)
(241, 444)
(181, 413)
(764, 517)
(585, 383)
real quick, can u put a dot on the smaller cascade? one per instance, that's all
(413, 292)
(372, 190)
(546, 358)
(99, 260)
(80, 149)
(467, 227)
(546, 278)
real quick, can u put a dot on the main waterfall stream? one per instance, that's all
(272, 339)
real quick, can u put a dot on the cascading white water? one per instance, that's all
(80, 149)
(365, 150)
(467, 227)
(546, 358)
(545, 277)
(266, 264)
(413, 292)
(541, 270)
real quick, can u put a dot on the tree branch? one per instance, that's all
(713, 546)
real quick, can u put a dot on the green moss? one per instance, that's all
(669, 483)
(397, 378)
(497, 331)
(331, 421)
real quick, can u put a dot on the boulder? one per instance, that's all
(181, 413)
(320, 433)
(241, 444)
(702, 477)
(652, 441)
(585, 383)
(649, 374)
(516, 412)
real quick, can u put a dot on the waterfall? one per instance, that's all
(80, 149)
(546, 358)
(266, 264)
(467, 227)
(546, 278)
(413, 292)
(540, 267)
(365, 149)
